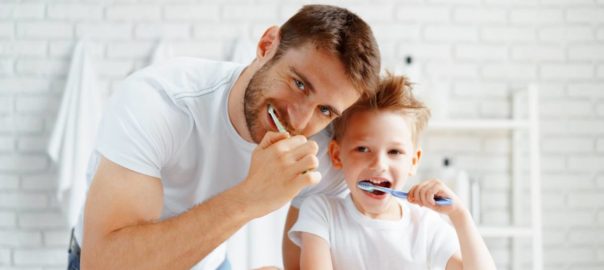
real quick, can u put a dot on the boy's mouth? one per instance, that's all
(377, 182)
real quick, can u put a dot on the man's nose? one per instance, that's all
(300, 116)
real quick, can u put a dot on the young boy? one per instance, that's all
(376, 140)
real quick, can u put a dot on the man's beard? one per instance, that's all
(252, 103)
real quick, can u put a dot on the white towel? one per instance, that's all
(73, 137)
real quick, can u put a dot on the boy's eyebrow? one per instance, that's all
(311, 88)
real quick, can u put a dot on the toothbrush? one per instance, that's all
(271, 111)
(280, 127)
(403, 195)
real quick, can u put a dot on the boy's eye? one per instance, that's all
(299, 84)
(326, 111)
(395, 152)
(362, 149)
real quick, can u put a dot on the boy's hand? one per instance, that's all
(423, 194)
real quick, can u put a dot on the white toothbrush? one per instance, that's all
(271, 111)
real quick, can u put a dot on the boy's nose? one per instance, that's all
(378, 162)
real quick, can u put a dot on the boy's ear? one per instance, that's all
(334, 154)
(268, 44)
(415, 161)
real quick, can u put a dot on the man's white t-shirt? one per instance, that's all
(421, 239)
(171, 121)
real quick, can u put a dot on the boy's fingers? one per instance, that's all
(422, 196)
(413, 193)
(431, 190)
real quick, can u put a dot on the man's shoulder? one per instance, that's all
(323, 137)
(188, 76)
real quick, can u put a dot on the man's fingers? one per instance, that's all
(306, 179)
(306, 149)
(308, 163)
(286, 145)
(271, 138)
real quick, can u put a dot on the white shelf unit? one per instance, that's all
(516, 125)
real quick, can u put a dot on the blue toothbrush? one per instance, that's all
(403, 195)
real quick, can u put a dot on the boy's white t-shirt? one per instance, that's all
(421, 239)
(170, 121)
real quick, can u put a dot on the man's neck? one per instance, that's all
(235, 104)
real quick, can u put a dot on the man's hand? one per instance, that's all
(281, 166)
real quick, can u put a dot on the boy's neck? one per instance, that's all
(394, 211)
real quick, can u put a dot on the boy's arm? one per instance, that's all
(473, 249)
(474, 252)
(314, 253)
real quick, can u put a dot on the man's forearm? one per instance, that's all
(177, 243)
(474, 252)
(291, 252)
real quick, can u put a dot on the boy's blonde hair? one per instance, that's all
(393, 94)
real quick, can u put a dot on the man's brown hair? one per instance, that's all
(340, 32)
(393, 94)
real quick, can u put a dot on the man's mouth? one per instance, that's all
(377, 182)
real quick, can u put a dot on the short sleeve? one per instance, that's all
(443, 243)
(332, 181)
(312, 218)
(140, 128)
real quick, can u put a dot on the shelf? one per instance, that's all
(505, 231)
(477, 124)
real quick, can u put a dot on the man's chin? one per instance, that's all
(257, 135)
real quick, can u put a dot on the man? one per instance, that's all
(187, 152)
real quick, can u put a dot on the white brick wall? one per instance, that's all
(478, 49)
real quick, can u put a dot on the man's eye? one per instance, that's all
(299, 84)
(325, 111)
(362, 149)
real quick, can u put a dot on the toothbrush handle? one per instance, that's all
(443, 201)
(439, 200)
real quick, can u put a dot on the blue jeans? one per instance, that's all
(74, 262)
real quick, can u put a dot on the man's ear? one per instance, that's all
(268, 44)
(415, 161)
(334, 154)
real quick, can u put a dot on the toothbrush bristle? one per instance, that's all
(365, 186)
